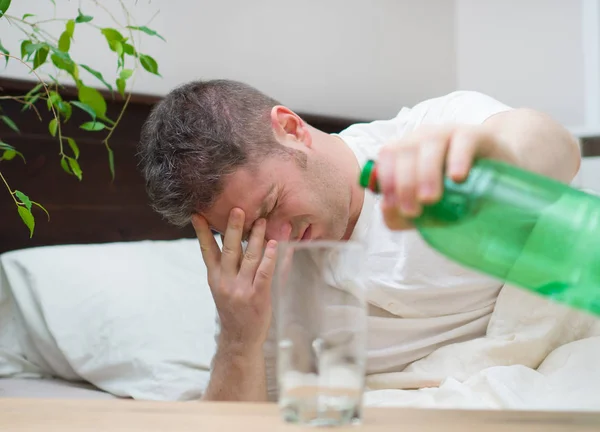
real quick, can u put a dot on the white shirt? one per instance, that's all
(418, 300)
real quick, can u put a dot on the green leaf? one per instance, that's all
(4, 4)
(74, 147)
(64, 43)
(126, 74)
(42, 207)
(121, 86)
(27, 218)
(88, 109)
(129, 49)
(5, 51)
(63, 62)
(31, 48)
(9, 154)
(75, 75)
(93, 126)
(149, 64)
(65, 109)
(11, 124)
(112, 35)
(24, 199)
(116, 46)
(5, 146)
(30, 102)
(65, 166)
(81, 18)
(53, 99)
(24, 46)
(27, 15)
(53, 2)
(33, 90)
(97, 75)
(147, 31)
(94, 99)
(70, 27)
(75, 168)
(40, 57)
(53, 126)
(111, 162)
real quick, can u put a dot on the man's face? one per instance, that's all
(313, 200)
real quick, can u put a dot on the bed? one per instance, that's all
(109, 301)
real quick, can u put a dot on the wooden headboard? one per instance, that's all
(95, 210)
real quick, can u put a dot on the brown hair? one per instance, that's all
(198, 134)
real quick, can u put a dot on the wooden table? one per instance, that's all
(126, 415)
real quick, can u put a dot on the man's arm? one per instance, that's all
(538, 143)
(457, 129)
(240, 283)
(237, 375)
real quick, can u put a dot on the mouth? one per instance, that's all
(307, 231)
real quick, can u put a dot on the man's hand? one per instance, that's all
(411, 170)
(240, 283)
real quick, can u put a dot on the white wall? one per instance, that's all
(526, 52)
(341, 57)
(362, 58)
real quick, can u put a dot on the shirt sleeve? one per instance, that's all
(459, 107)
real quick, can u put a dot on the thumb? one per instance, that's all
(394, 219)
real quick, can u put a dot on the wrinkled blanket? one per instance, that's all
(536, 354)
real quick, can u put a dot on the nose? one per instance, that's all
(278, 230)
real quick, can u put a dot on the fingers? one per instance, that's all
(411, 172)
(232, 245)
(463, 148)
(211, 253)
(264, 274)
(430, 169)
(405, 181)
(254, 251)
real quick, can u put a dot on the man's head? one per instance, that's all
(212, 146)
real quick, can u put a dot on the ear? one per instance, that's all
(289, 128)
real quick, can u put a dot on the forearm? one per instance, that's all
(237, 376)
(538, 143)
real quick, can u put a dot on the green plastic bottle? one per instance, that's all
(523, 228)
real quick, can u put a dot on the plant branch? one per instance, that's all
(33, 26)
(108, 12)
(23, 102)
(128, 98)
(10, 20)
(47, 93)
(12, 195)
(48, 20)
(153, 16)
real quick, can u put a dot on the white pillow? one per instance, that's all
(136, 319)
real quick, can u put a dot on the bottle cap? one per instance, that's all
(368, 176)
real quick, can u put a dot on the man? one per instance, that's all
(226, 157)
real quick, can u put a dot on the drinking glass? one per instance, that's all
(321, 321)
